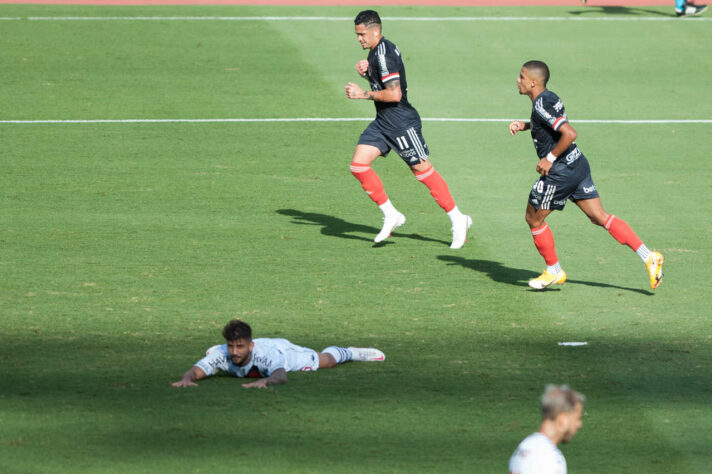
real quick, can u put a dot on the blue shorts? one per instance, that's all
(563, 182)
(408, 143)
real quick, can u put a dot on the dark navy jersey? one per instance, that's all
(548, 115)
(385, 65)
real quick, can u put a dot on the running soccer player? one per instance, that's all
(565, 174)
(268, 359)
(397, 127)
(561, 410)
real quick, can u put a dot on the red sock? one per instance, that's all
(622, 232)
(544, 241)
(438, 188)
(370, 182)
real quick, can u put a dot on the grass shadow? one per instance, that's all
(495, 270)
(619, 11)
(337, 227)
(608, 285)
(519, 277)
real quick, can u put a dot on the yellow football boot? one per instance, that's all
(654, 264)
(546, 279)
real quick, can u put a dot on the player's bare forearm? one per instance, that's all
(392, 92)
(190, 377)
(568, 135)
(278, 377)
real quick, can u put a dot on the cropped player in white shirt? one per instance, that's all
(268, 359)
(561, 410)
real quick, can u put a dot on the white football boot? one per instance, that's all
(367, 354)
(390, 222)
(459, 231)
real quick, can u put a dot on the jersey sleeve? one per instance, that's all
(389, 64)
(215, 360)
(551, 110)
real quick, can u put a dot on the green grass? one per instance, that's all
(124, 248)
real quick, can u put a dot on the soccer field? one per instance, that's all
(138, 215)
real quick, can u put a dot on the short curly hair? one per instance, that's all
(237, 329)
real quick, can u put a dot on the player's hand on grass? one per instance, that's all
(184, 383)
(362, 67)
(543, 166)
(261, 383)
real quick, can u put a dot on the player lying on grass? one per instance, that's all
(565, 174)
(268, 359)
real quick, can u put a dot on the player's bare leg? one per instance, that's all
(364, 156)
(622, 232)
(426, 174)
(544, 242)
(326, 361)
(593, 210)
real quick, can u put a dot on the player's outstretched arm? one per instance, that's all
(278, 377)
(190, 377)
(518, 126)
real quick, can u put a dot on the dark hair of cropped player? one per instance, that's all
(539, 68)
(367, 18)
(237, 329)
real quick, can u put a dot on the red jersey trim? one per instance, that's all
(559, 122)
(390, 77)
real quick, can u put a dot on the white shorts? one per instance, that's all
(298, 358)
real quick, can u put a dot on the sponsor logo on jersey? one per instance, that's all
(589, 189)
(261, 360)
(558, 106)
(559, 203)
(573, 156)
(217, 362)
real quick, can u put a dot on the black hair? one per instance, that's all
(367, 18)
(539, 67)
(237, 329)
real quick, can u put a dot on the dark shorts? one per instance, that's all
(408, 143)
(563, 182)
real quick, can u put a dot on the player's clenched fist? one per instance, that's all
(353, 91)
(517, 126)
(362, 67)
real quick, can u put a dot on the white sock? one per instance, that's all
(454, 214)
(554, 269)
(388, 208)
(340, 354)
(643, 252)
